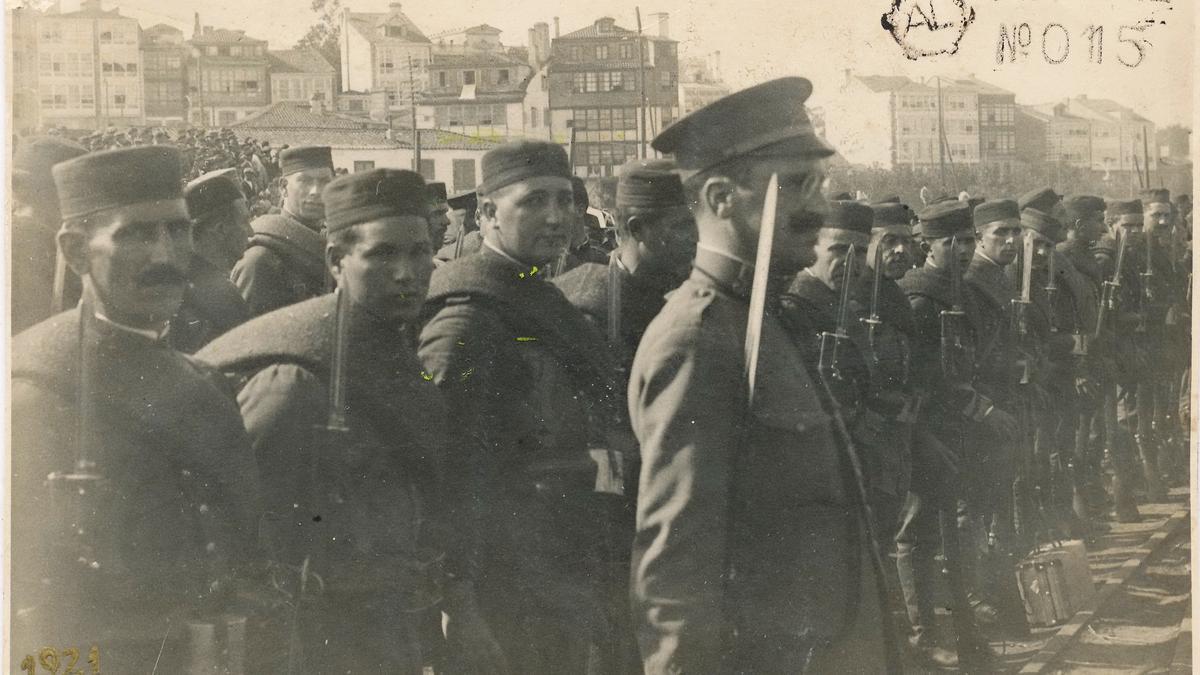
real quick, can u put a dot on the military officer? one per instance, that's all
(531, 385)
(284, 263)
(753, 551)
(136, 499)
(221, 227)
(956, 416)
(35, 221)
(350, 433)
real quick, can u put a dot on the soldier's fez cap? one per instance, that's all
(996, 210)
(649, 184)
(766, 119)
(518, 160)
(579, 191)
(945, 219)
(104, 180)
(1082, 206)
(305, 157)
(1042, 223)
(466, 200)
(210, 192)
(370, 195)
(888, 214)
(847, 214)
(36, 155)
(436, 191)
(1156, 196)
(1125, 207)
(1042, 199)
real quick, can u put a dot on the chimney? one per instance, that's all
(556, 26)
(664, 24)
(533, 47)
(394, 7)
(849, 74)
(196, 25)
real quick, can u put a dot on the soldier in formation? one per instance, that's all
(692, 453)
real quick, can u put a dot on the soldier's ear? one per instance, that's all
(73, 247)
(333, 260)
(925, 248)
(486, 211)
(635, 226)
(717, 195)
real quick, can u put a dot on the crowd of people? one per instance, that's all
(270, 418)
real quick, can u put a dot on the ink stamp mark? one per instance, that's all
(925, 28)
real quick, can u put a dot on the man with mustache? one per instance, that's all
(221, 227)
(135, 497)
(285, 262)
(439, 210)
(352, 477)
(531, 385)
(956, 416)
(753, 550)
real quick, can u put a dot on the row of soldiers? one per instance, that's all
(694, 455)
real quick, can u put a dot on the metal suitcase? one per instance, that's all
(1055, 583)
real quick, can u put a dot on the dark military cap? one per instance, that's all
(649, 184)
(1124, 207)
(436, 191)
(1156, 196)
(945, 219)
(519, 160)
(1042, 199)
(370, 195)
(112, 178)
(36, 155)
(1042, 223)
(210, 192)
(305, 157)
(996, 210)
(845, 214)
(579, 191)
(466, 200)
(888, 214)
(766, 119)
(1082, 206)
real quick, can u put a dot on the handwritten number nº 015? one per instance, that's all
(52, 660)
(1014, 42)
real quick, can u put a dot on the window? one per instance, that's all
(574, 53)
(502, 76)
(393, 31)
(106, 37)
(356, 105)
(468, 77)
(464, 175)
(533, 117)
(441, 78)
(226, 117)
(426, 169)
(222, 51)
(363, 165)
(625, 50)
(131, 68)
(601, 52)
(663, 50)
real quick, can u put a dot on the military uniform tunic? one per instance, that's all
(284, 264)
(211, 306)
(751, 548)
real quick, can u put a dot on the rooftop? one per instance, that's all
(299, 61)
(481, 28)
(368, 24)
(221, 36)
(883, 83)
(474, 59)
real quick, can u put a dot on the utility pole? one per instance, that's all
(412, 99)
(941, 135)
(642, 84)
(1146, 156)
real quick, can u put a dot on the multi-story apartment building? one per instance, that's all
(89, 68)
(604, 81)
(164, 71)
(384, 52)
(1121, 140)
(23, 69)
(300, 74)
(996, 122)
(227, 76)
(1048, 133)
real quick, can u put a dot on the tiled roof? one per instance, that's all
(368, 23)
(593, 31)
(299, 61)
(295, 124)
(889, 82)
(981, 87)
(481, 28)
(1109, 107)
(223, 36)
(90, 14)
(162, 28)
(474, 59)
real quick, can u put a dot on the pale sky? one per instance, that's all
(761, 40)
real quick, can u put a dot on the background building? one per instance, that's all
(227, 76)
(300, 74)
(384, 52)
(89, 68)
(700, 82)
(23, 75)
(601, 78)
(164, 72)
